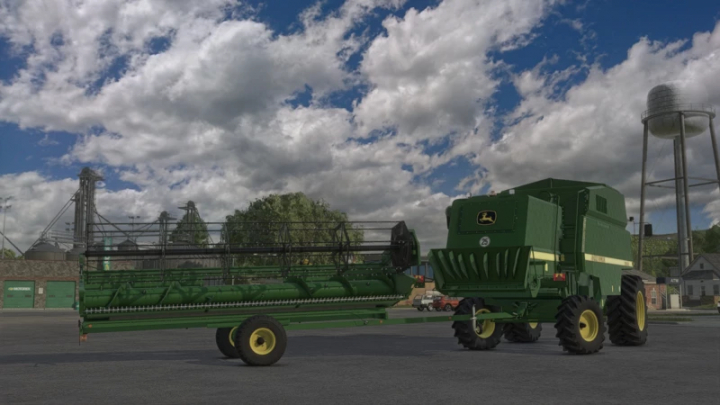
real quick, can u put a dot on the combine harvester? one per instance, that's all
(551, 251)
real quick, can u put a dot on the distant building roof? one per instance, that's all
(647, 278)
(712, 258)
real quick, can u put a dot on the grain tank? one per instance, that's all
(548, 251)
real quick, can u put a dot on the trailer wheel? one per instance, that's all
(579, 324)
(522, 332)
(225, 340)
(487, 333)
(627, 320)
(420, 309)
(448, 307)
(260, 341)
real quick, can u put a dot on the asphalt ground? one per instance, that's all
(42, 363)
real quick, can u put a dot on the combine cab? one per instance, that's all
(550, 251)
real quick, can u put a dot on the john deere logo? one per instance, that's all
(486, 217)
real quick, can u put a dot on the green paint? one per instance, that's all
(19, 294)
(509, 258)
(60, 294)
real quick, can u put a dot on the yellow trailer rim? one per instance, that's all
(231, 336)
(533, 325)
(486, 329)
(640, 310)
(262, 341)
(589, 325)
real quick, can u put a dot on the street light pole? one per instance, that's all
(5, 209)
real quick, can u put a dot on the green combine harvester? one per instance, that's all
(551, 251)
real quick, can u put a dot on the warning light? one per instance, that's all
(559, 277)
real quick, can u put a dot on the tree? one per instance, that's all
(711, 242)
(261, 225)
(9, 254)
(190, 229)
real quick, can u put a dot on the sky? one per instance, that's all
(386, 109)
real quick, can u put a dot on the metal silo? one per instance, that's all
(45, 251)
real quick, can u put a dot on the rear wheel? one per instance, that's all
(486, 334)
(579, 324)
(260, 341)
(225, 340)
(522, 332)
(627, 313)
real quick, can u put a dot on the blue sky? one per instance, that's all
(576, 35)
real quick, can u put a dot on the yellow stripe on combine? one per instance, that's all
(607, 260)
(549, 257)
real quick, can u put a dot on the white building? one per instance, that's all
(702, 278)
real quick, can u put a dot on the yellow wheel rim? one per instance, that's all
(262, 341)
(485, 329)
(640, 310)
(589, 325)
(533, 325)
(231, 335)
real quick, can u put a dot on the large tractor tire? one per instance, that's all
(260, 341)
(522, 332)
(487, 333)
(579, 324)
(627, 313)
(226, 342)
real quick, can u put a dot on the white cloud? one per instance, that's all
(208, 119)
(430, 75)
(594, 133)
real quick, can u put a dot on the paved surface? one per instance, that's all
(41, 363)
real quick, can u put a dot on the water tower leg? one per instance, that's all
(715, 150)
(687, 193)
(642, 198)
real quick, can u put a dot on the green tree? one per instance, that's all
(260, 225)
(190, 229)
(9, 254)
(711, 242)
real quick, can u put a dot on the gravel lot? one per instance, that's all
(42, 363)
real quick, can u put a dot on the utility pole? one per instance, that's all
(5, 207)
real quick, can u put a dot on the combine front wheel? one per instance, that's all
(260, 341)
(225, 340)
(523, 332)
(627, 318)
(580, 325)
(486, 334)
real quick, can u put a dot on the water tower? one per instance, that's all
(677, 111)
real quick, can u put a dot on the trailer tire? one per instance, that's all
(487, 334)
(579, 324)
(261, 341)
(627, 313)
(226, 343)
(522, 332)
(448, 308)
